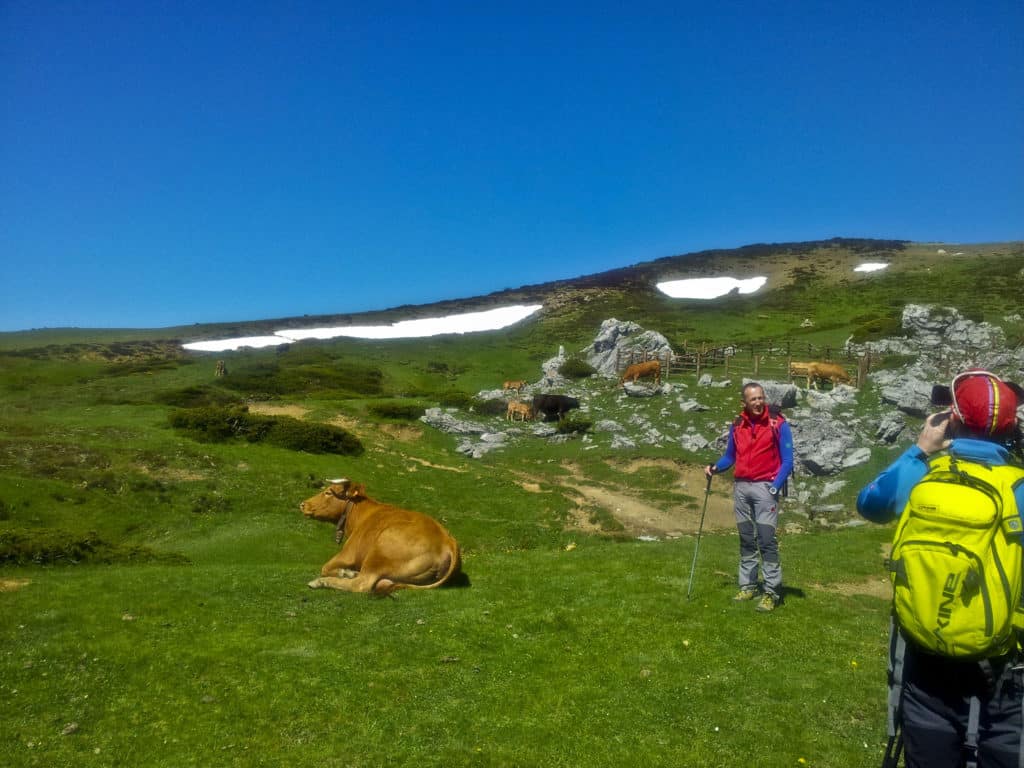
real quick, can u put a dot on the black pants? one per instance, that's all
(936, 705)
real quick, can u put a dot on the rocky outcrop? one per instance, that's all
(617, 337)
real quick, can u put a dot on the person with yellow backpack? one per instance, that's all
(956, 671)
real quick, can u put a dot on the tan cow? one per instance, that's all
(815, 371)
(641, 370)
(386, 548)
(524, 410)
(516, 386)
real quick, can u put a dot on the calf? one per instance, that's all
(524, 410)
(513, 386)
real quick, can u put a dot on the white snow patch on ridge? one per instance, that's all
(469, 322)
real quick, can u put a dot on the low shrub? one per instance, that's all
(195, 397)
(216, 425)
(295, 435)
(571, 424)
(576, 368)
(454, 398)
(492, 407)
(399, 411)
(59, 547)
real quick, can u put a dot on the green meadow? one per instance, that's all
(153, 560)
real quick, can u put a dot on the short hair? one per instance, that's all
(750, 385)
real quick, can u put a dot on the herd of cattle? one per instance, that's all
(387, 548)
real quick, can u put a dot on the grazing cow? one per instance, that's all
(641, 370)
(524, 410)
(516, 386)
(815, 371)
(386, 548)
(554, 406)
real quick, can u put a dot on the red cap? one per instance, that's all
(983, 402)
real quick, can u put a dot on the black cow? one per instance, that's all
(554, 406)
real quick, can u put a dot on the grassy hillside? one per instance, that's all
(153, 560)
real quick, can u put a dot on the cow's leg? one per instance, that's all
(341, 564)
(355, 584)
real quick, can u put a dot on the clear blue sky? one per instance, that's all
(181, 162)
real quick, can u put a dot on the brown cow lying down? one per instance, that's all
(640, 370)
(386, 548)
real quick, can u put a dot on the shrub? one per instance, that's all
(194, 397)
(576, 368)
(216, 425)
(493, 407)
(295, 435)
(454, 398)
(401, 411)
(570, 424)
(54, 546)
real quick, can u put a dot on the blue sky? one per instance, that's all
(189, 162)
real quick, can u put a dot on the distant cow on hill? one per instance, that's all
(515, 385)
(642, 370)
(815, 371)
(554, 406)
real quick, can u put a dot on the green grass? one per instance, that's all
(155, 586)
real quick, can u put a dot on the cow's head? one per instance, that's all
(329, 505)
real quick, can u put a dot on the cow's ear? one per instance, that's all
(357, 491)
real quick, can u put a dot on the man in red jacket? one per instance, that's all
(761, 448)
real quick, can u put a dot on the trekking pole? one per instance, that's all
(700, 529)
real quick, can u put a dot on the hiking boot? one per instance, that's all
(767, 604)
(744, 595)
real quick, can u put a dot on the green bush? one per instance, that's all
(216, 425)
(194, 397)
(295, 435)
(570, 424)
(453, 398)
(576, 368)
(54, 546)
(493, 407)
(400, 411)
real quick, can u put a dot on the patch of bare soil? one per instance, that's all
(407, 433)
(172, 474)
(873, 587)
(268, 409)
(641, 518)
(425, 463)
(12, 585)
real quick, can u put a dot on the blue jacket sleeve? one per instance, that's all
(884, 498)
(729, 457)
(785, 454)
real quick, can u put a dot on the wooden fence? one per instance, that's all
(765, 359)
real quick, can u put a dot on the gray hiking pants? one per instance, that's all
(757, 517)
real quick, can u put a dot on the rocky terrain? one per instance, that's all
(835, 431)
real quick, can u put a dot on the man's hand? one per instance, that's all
(933, 434)
(709, 470)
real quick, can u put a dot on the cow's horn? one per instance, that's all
(338, 480)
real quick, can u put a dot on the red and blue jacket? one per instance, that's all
(761, 449)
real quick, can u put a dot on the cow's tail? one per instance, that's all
(385, 586)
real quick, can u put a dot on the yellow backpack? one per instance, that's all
(957, 560)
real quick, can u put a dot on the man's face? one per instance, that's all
(753, 401)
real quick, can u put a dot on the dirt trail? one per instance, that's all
(641, 518)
